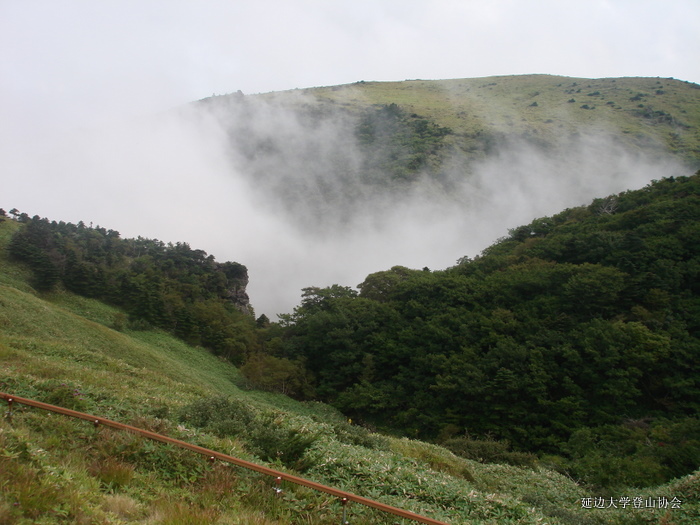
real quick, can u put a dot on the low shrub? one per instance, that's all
(223, 415)
(265, 434)
(639, 453)
(356, 435)
(112, 473)
(63, 394)
(435, 457)
(127, 451)
(489, 451)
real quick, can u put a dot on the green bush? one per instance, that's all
(169, 462)
(489, 451)
(64, 395)
(119, 322)
(265, 434)
(357, 435)
(223, 415)
(271, 441)
(277, 374)
(637, 453)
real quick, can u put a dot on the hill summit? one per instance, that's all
(326, 152)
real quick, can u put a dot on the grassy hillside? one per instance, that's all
(61, 349)
(322, 157)
(647, 111)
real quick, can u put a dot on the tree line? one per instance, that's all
(168, 286)
(574, 337)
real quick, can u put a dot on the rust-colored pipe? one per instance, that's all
(223, 457)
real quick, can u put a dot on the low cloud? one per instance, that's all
(282, 191)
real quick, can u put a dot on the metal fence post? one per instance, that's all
(278, 486)
(344, 503)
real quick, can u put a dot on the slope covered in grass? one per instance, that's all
(545, 105)
(61, 349)
(330, 157)
(642, 112)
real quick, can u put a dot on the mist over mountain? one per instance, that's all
(328, 157)
(326, 185)
(421, 173)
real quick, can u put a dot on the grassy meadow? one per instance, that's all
(647, 113)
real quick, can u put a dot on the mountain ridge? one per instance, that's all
(328, 154)
(506, 104)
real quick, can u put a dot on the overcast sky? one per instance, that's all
(93, 59)
(73, 72)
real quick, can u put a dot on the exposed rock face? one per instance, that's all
(237, 281)
(239, 297)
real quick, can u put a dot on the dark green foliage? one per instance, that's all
(270, 441)
(264, 433)
(277, 374)
(221, 414)
(397, 143)
(581, 320)
(172, 287)
(489, 451)
(635, 453)
(34, 247)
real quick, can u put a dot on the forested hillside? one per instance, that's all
(169, 286)
(575, 337)
(558, 366)
(63, 349)
(570, 345)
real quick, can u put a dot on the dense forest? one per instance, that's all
(576, 336)
(572, 341)
(168, 286)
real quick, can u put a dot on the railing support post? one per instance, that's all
(344, 503)
(278, 486)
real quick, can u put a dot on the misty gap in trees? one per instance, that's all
(574, 339)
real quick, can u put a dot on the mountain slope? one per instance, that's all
(575, 333)
(330, 159)
(324, 156)
(648, 110)
(58, 348)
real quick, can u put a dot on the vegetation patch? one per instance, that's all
(555, 372)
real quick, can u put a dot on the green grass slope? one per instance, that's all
(648, 112)
(319, 155)
(61, 349)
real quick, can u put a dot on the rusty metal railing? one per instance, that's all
(213, 455)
